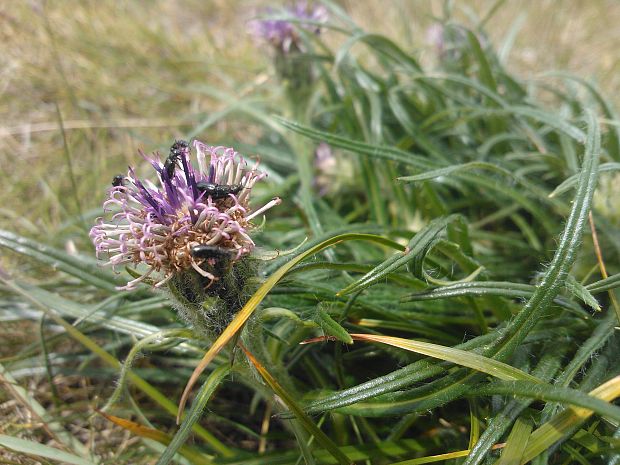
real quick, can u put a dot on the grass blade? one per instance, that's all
(415, 250)
(40, 450)
(516, 443)
(143, 385)
(52, 427)
(460, 357)
(81, 267)
(550, 394)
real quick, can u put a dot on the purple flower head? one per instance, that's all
(160, 223)
(282, 33)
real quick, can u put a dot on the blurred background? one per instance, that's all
(125, 75)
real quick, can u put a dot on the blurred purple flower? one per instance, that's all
(325, 163)
(159, 224)
(282, 33)
(435, 37)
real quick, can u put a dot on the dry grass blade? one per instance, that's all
(150, 433)
(137, 429)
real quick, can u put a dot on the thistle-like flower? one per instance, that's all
(281, 34)
(195, 217)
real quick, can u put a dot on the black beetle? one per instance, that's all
(218, 191)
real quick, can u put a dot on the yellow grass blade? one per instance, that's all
(137, 428)
(460, 357)
(155, 435)
(440, 457)
(555, 429)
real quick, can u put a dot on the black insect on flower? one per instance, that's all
(170, 227)
(117, 181)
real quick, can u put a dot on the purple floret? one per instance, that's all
(159, 223)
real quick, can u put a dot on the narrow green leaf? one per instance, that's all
(499, 423)
(565, 255)
(194, 414)
(571, 182)
(482, 288)
(486, 75)
(393, 381)
(110, 360)
(40, 450)
(579, 291)
(612, 282)
(486, 184)
(454, 168)
(84, 268)
(17, 392)
(416, 250)
(332, 328)
(549, 393)
(237, 323)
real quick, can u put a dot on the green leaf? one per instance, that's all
(84, 268)
(393, 381)
(499, 423)
(40, 450)
(571, 182)
(486, 75)
(482, 288)
(422, 163)
(565, 255)
(416, 250)
(242, 316)
(549, 393)
(454, 168)
(579, 291)
(332, 328)
(36, 410)
(612, 282)
(194, 414)
(110, 360)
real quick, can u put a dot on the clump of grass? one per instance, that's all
(455, 296)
